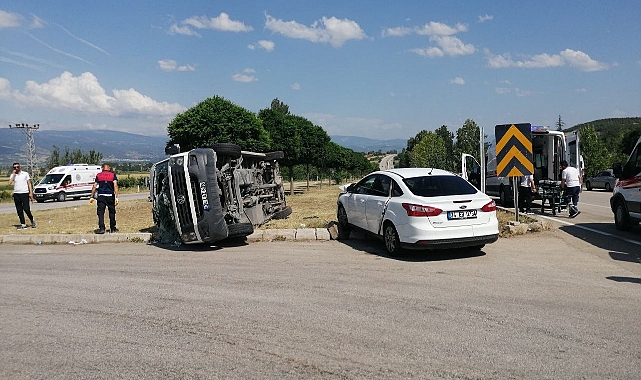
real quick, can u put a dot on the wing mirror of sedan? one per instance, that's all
(617, 169)
(349, 188)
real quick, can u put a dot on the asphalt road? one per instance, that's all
(543, 306)
(9, 207)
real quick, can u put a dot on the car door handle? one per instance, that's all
(379, 203)
(362, 200)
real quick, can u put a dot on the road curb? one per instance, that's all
(303, 234)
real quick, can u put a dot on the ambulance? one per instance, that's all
(70, 181)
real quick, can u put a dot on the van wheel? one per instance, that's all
(227, 149)
(284, 213)
(608, 188)
(621, 217)
(61, 196)
(503, 197)
(588, 186)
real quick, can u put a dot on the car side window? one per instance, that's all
(365, 185)
(381, 185)
(396, 189)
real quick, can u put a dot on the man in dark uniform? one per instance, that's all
(107, 185)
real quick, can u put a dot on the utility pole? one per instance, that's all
(31, 145)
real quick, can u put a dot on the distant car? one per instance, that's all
(418, 208)
(604, 180)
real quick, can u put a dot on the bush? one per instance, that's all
(5, 195)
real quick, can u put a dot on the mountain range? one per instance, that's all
(121, 146)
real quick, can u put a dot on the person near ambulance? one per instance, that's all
(106, 185)
(571, 183)
(22, 194)
(526, 190)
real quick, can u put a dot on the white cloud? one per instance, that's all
(168, 65)
(9, 20)
(246, 76)
(568, 57)
(182, 30)
(440, 29)
(263, 44)
(453, 46)
(458, 80)
(295, 86)
(428, 52)
(486, 17)
(37, 22)
(430, 29)
(330, 30)
(84, 94)
(222, 23)
(580, 90)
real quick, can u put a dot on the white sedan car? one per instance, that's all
(418, 208)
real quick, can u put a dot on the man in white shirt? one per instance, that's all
(571, 182)
(526, 189)
(22, 194)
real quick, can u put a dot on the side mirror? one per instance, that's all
(172, 149)
(617, 169)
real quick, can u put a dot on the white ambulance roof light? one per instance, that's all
(539, 128)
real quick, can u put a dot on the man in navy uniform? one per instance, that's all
(107, 185)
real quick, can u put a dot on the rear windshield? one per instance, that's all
(51, 179)
(438, 186)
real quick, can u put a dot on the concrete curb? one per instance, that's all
(304, 234)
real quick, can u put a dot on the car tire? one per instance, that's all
(588, 186)
(237, 230)
(284, 213)
(61, 197)
(276, 155)
(344, 229)
(227, 149)
(392, 242)
(608, 188)
(621, 217)
(503, 197)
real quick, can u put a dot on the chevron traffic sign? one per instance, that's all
(513, 150)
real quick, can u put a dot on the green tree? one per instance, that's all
(405, 156)
(279, 106)
(72, 157)
(595, 156)
(467, 139)
(429, 152)
(451, 161)
(217, 120)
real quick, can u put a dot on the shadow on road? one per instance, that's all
(625, 279)
(375, 246)
(620, 249)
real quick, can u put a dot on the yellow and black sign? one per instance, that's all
(513, 150)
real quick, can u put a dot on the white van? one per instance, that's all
(70, 181)
(626, 197)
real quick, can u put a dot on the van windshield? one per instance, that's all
(51, 179)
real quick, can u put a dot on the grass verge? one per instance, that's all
(313, 209)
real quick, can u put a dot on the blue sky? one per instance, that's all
(378, 69)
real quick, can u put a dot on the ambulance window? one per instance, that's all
(66, 181)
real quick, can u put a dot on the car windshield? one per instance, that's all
(438, 186)
(51, 179)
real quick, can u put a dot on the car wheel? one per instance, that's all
(277, 155)
(344, 229)
(392, 242)
(61, 196)
(284, 213)
(588, 186)
(226, 149)
(240, 230)
(608, 188)
(621, 217)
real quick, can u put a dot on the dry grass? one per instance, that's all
(313, 209)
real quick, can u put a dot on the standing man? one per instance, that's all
(526, 189)
(571, 181)
(22, 194)
(107, 185)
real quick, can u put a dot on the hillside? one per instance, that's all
(364, 144)
(115, 146)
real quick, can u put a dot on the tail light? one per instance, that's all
(489, 207)
(418, 210)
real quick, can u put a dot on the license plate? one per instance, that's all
(462, 214)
